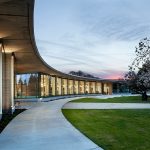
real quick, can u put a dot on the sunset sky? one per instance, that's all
(95, 36)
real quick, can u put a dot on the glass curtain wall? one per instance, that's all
(45, 85)
(59, 86)
(70, 86)
(32, 85)
(26, 85)
(81, 87)
(87, 87)
(64, 86)
(76, 91)
(98, 87)
(53, 86)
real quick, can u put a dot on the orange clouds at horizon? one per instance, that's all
(114, 76)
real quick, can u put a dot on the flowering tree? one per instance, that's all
(142, 52)
(138, 77)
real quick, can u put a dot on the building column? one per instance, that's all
(79, 87)
(61, 81)
(89, 87)
(61, 86)
(102, 88)
(1, 80)
(56, 93)
(73, 86)
(84, 86)
(39, 85)
(53, 85)
(8, 86)
(67, 86)
(110, 88)
(12, 83)
(95, 87)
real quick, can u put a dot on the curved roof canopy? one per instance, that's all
(17, 35)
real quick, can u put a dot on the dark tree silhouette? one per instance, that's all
(82, 74)
(138, 77)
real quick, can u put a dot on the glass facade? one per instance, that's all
(45, 85)
(87, 87)
(26, 85)
(98, 88)
(58, 86)
(64, 87)
(92, 87)
(81, 87)
(76, 87)
(70, 87)
(34, 85)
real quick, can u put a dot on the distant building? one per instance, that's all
(120, 86)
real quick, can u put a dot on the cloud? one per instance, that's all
(116, 20)
(91, 61)
(110, 74)
(96, 36)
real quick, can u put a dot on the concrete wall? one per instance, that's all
(8, 83)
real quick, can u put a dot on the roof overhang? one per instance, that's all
(17, 36)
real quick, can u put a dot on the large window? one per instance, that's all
(45, 85)
(33, 85)
(26, 85)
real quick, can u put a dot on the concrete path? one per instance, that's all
(43, 127)
(29, 103)
(72, 105)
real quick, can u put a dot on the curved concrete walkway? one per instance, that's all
(93, 105)
(43, 127)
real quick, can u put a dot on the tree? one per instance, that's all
(138, 77)
(82, 74)
(139, 82)
(142, 52)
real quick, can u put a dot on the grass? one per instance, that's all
(113, 129)
(6, 118)
(124, 99)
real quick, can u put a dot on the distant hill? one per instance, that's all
(82, 74)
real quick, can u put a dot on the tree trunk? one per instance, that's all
(144, 96)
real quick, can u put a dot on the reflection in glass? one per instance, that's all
(26, 85)
(45, 85)
(33, 85)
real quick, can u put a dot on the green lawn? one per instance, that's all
(124, 99)
(113, 129)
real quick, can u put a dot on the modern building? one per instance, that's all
(23, 73)
(120, 86)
